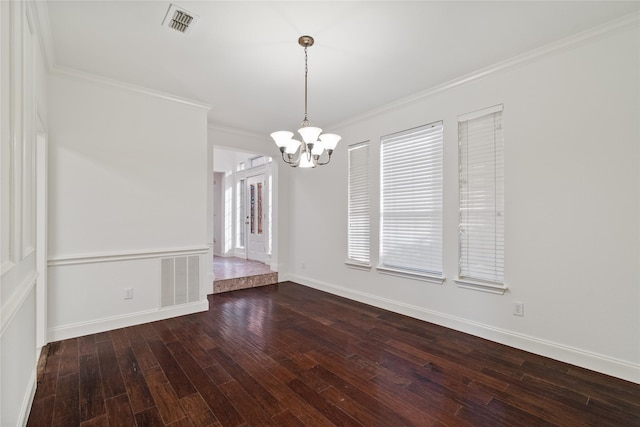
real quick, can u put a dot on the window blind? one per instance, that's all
(481, 222)
(411, 200)
(358, 216)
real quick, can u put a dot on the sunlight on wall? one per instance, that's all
(270, 218)
(228, 216)
(240, 213)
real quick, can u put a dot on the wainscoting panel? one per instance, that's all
(89, 297)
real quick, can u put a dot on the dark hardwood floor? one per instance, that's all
(287, 355)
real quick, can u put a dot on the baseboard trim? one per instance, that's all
(107, 324)
(575, 356)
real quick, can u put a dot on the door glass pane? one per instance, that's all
(252, 193)
(259, 208)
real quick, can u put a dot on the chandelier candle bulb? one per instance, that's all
(305, 154)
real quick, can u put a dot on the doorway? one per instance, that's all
(255, 219)
(243, 217)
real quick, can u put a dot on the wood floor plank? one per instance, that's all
(47, 383)
(112, 381)
(119, 339)
(140, 348)
(69, 363)
(101, 421)
(91, 390)
(190, 341)
(119, 411)
(66, 409)
(219, 405)
(139, 395)
(164, 332)
(197, 410)
(164, 396)
(362, 415)
(87, 345)
(217, 374)
(330, 411)
(149, 418)
(246, 405)
(42, 412)
(253, 388)
(613, 413)
(183, 422)
(288, 355)
(286, 418)
(172, 369)
(385, 413)
(391, 411)
(276, 385)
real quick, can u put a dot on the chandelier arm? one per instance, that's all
(327, 162)
(294, 164)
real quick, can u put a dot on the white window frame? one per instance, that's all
(359, 206)
(481, 201)
(411, 203)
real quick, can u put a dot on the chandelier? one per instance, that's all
(306, 154)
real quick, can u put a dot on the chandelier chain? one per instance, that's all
(306, 72)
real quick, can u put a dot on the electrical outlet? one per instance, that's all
(518, 308)
(128, 293)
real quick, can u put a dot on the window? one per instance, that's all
(358, 221)
(481, 222)
(411, 203)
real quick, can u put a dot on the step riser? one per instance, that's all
(227, 285)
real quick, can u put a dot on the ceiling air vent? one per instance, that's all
(179, 19)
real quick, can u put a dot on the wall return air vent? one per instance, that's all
(179, 19)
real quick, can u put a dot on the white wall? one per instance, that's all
(22, 100)
(127, 187)
(571, 126)
(226, 161)
(218, 212)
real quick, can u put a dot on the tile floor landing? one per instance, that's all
(236, 273)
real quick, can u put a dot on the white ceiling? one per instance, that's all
(243, 57)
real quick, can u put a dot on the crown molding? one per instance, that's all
(617, 25)
(94, 78)
(40, 12)
(234, 131)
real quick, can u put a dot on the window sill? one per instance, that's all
(492, 288)
(425, 277)
(357, 265)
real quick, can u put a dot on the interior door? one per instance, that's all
(255, 218)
